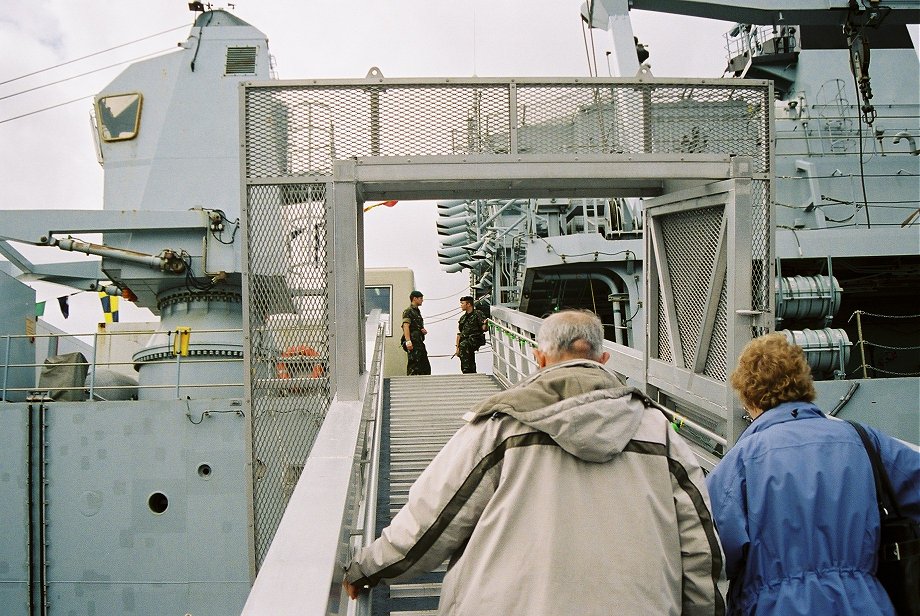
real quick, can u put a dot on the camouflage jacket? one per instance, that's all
(413, 316)
(470, 326)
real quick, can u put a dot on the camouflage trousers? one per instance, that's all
(467, 355)
(417, 362)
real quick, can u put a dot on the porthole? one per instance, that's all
(158, 503)
(204, 471)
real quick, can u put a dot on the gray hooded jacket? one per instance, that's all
(563, 495)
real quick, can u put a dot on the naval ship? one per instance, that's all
(229, 457)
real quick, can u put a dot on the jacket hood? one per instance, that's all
(580, 404)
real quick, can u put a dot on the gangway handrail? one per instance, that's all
(529, 324)
(302, 570)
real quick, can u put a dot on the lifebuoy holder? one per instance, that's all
(297, 360)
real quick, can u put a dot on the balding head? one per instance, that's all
(570, 334)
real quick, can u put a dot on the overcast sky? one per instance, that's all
(47, 159)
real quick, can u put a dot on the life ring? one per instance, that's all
(295, 354)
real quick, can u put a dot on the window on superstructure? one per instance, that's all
(119, 116)
(380, 297)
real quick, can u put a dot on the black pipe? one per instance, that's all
(43, 557)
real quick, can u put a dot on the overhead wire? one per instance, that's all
(48, 108)
(93, 54)
(33, 112)
(153, 53)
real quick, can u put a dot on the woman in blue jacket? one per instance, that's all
(794, 499)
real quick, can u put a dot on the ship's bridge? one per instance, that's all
(316, 151)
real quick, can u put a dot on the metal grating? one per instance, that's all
(664, 332)
(761, 224)
(300, 128)
(289, 345)
(643, 118)
(716, 366)
(691, 241)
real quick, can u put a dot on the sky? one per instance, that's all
(47, 159)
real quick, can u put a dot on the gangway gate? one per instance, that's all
(314, 151)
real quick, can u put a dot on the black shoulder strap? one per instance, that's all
(883, 490)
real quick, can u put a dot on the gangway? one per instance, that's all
(420, 414)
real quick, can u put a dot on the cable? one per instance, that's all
(3, 121)
(585, 39)
(862, 171)
(91, 55)
(198, 44)
(451, 296)
(236, 227)
(154, 53)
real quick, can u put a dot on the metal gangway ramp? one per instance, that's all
(420, 414)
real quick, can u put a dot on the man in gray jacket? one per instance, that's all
(566, 494)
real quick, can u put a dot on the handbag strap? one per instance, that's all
(884, 493)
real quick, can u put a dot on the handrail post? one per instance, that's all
(6, 368)
(92, 376)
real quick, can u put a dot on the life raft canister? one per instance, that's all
(294, 354)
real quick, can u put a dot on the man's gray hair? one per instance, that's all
(560, 334)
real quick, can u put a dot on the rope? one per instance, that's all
(883, 316)
(870, 367)
(884, 346)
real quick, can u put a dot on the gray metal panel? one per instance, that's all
(108, 550)
(14, 510)
(892, 405)
(569, 175)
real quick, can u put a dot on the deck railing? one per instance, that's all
(20, 378)
(513, 336)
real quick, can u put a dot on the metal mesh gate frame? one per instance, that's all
(294, 131)
(690, 235)
(299, 128)
(288, 315)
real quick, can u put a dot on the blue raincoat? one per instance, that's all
(794, 505)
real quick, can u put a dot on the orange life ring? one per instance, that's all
(294, 352)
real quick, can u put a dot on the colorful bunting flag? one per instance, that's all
(64, 303)
(390, 203)
(109, 307)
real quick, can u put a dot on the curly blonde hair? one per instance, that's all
(772, 370)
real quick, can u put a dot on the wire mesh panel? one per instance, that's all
(300, 128)
(762, 293)
(691, 240)
(707, 256)
(289, 345)
(643, 117)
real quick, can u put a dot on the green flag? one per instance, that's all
(39, 309)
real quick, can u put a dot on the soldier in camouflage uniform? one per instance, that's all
(470, 335)
(413, 326)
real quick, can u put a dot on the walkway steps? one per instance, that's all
(421, 413)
